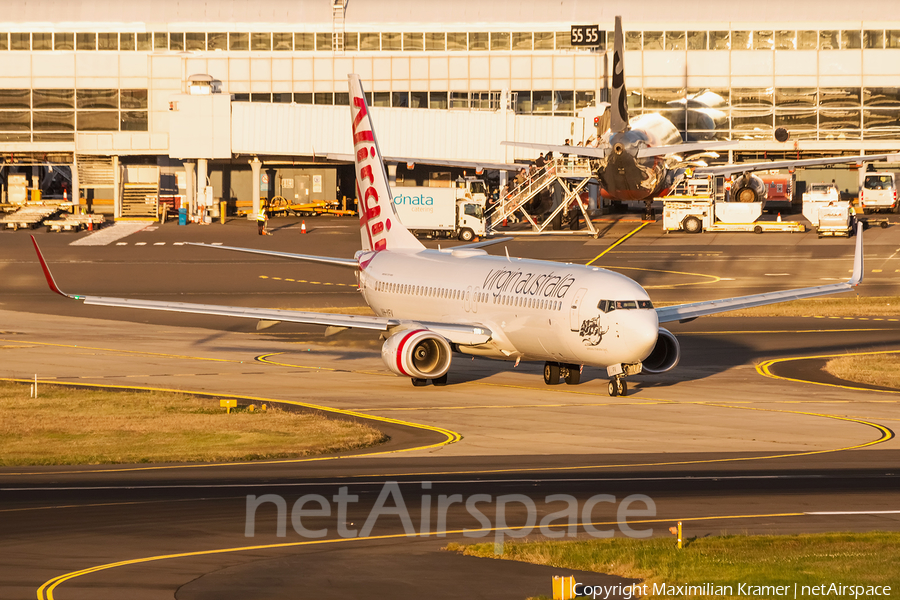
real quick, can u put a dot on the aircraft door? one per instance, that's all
(469, 301)
(574, 319)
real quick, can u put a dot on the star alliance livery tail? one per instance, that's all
(619, 108)
(379, 224)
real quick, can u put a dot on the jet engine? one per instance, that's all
(747, 187)
(417, 353)
(664, 355)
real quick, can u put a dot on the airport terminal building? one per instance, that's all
(118, 103)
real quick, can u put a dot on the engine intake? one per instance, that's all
(419, 353)
(748, 188)
(664, 355)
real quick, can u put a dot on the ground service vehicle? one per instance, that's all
(878, 191)
(779, 192)
(456, 211)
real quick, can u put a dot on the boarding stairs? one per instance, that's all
(572, 174)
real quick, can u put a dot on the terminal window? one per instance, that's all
(543, 40)
(107, 41)
(238, 41)
(369, 42)
(42, 41)
(20, 41)
(194, 41)
(413, 42)
(391, 42)
(323, 41)
(282, 41)
(696, 40)
(457, 41)
(260, 41)
(500, 40)
(63, 41)
(435, 41)
(126, 42)
(217, 40)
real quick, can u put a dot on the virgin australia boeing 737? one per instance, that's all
(430, 304)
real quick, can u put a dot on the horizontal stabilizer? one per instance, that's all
(682, 148)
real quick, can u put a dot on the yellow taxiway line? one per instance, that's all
(45, 592)
(619, 241)
(764, 369)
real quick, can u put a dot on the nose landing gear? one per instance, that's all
(617, 386)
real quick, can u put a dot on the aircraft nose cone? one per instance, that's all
(645, 333)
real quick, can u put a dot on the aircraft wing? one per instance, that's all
(340, 262)
(459, 333)
(642, 153)
(462, 164)
(576, 150)
(688, 312)
(731, 169)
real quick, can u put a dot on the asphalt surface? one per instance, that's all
(715, 443)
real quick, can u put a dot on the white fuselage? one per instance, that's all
(536, 310)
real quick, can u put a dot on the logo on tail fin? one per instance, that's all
(379, 224)
(370, 217)
(619, 96)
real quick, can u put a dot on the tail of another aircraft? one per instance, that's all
(380, 226)
(619, 108)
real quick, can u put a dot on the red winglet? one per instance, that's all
(47, 274)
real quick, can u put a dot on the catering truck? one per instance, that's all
(455, 211)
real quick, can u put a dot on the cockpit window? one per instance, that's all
(611, 305)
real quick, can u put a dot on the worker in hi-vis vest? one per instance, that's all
(261, 219)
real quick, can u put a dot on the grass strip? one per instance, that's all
(873, 369)
(859, 559)
(64, 426)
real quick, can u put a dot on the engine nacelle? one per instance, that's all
(417, 353)
(664, 355)
(748, 188)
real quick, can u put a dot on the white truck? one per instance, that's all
(878, 191)
(456, 211)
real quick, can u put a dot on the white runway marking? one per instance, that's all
(108, 235)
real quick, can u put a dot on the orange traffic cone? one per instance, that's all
(303, 227)
(779, 217)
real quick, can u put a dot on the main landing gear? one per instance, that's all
(438, 381)
(570, 373)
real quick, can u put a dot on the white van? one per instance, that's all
(878, 191)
